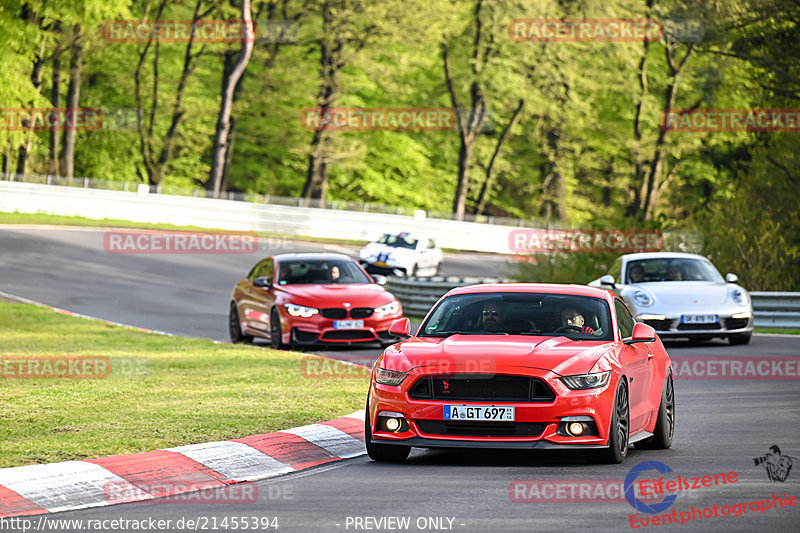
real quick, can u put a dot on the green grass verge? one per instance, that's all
(783, 331)
(62, 220)
(162, 391)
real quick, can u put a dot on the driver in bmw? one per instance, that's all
(571, 317)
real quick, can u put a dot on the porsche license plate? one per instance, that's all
(699, 319)
(383, 264)
(484, 413)
(348, 324)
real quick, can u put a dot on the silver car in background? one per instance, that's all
(681, 296)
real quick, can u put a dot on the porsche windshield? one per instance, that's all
(326, 271)
(671, 269)
(398, 241)
(576, 317)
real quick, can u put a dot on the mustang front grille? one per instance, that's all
(482, 388)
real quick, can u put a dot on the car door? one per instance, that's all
(259, 299)
(637, 363)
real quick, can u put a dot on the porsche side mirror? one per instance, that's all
(263, 281)
(608, 279)
(401, 327)
(731, 278)
(379, 279)
(641, 333)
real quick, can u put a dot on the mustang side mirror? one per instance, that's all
(263, 281)
(641, 333)
(401, 327)
(731, 278)
(608, 279)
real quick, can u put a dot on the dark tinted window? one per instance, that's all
(624, 320)
(673, 269)
(518, 313)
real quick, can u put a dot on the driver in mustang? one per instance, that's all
(571, 317)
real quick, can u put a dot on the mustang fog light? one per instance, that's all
(391, 422)
(575, 428)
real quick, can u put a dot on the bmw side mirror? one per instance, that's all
(379, 279)
(608, 279)
(401, 327)
(731, 278)
(263, 281)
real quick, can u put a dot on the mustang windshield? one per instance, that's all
(325, 271)
(517, 313)
(671, 269)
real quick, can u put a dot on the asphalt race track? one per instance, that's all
(722, 424)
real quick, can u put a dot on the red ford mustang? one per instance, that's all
(310, 298)
(523, 366)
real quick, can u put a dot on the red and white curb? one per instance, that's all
(49, 488)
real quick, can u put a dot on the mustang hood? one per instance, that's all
(335, 294)
(483, 354)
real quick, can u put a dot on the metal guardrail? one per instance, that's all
(419, 294)
(771, 309)
(776, 309)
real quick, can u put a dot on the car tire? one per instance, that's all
(665, 425)
(619, 430)
(740, 339)
(384, 453)
(275, 333)
(235, 327)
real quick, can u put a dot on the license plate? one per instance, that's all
(381, 264)
(348, 324)
(699, 319)
(486, 413)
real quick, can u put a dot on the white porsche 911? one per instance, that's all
(402, 254)
(681, 295)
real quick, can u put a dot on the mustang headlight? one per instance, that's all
(740, 297)
(642, 298)
(300, 310)
(388, 309)
(587, 381)
(389, 377)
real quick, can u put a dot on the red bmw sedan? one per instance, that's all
(524, 366)
(311, 298)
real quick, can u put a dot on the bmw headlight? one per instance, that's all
(587, 381)
(642, 298)
(300, 310)
(740, 297)
(389, 309)
(389, 377)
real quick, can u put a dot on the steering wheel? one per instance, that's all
(568, 327)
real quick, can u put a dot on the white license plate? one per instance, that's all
(486, 413)
(699, 319)
(348, 324)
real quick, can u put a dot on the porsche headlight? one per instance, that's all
(300, 310)
(642, 298)
(389, 377)
(587, 381)
(389, 309)
(740, 297)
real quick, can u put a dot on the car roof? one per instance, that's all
(549, 288)
(661, 255)
(312, 256)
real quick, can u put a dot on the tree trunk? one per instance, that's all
(73, 97)
(36, 80)
(316, 185)
(500, 142)
(554, 203)
(53, 167)
(7, 162)
(220, 150)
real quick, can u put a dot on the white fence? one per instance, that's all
(243, 216)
